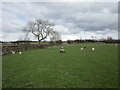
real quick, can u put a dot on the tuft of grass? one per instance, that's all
(47, 68)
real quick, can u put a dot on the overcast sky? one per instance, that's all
(72, 20)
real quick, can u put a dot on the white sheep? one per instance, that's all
(13, 52)
(20, 52)
(62, 51)
(81, 48)
(93, 49)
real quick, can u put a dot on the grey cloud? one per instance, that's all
(67, 13)
(76, 17)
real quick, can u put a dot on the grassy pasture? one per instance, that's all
(47, 68)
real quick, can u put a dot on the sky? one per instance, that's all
(73, 20)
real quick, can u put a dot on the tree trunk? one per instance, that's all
(39, 43)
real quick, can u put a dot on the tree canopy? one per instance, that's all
(41, 29)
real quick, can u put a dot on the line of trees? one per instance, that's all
(108, 40)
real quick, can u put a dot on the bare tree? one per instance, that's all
(109, 38)
(40, 29)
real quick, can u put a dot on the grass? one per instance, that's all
(47, 68)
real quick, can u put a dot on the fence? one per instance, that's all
(6, 49)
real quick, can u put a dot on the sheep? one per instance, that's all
(81, 48)
(13, 52)
(62, 51)
(20, 52)
(93, 49)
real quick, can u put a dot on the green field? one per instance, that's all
(47, 68)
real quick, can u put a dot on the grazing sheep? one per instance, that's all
(62, 50)
(93, 49)
(13, 52)
(20, 52)
(81, 49)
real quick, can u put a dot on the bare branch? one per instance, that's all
(40, 29)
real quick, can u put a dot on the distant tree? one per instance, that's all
(77, 41)
(40, 29)
(109, 39)
(44, 41)
(59, 42)
(69, 41)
